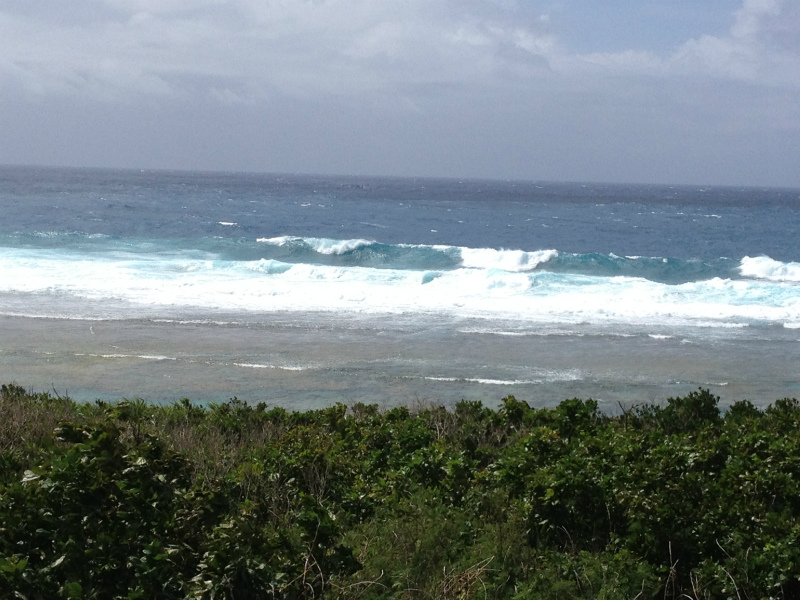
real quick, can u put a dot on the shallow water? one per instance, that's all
(311, 360)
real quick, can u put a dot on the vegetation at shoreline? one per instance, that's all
(131, 500)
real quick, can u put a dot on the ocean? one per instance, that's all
(304, 291)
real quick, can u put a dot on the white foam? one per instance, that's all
(52, 315)
(139, 356)
(545, 377)
(763, 267)
(61, 234)
(505, 260)
(502, 381)
(482, 331)
(320, 245)
(227, 224)
(260, 366)
(269, 266)
(719, 325)
(197, 322)
(483, 381)
(159, 285)
(326, 246)
(277, 241)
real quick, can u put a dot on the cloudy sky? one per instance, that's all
(672, 91)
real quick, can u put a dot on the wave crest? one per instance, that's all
(764, 267)
(320, 245)
(514, 261)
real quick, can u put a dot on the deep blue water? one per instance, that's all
(664, 221)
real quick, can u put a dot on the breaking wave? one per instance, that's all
(363, 276)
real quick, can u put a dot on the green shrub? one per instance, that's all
(132, 500)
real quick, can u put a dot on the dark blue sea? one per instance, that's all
(303, 291)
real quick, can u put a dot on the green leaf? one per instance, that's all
(73, 590)
(13, 564)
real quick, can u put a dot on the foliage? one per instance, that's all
(133, 500)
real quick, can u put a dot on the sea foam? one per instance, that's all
(763, 267)
(320, 245)
(505, 260)
(488, 285)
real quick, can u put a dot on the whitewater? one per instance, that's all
(309, 290)
(357, 276)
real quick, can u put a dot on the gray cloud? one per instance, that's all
(300, 47)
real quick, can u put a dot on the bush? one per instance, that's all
(131, 500)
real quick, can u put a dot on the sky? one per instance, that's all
(646, 91)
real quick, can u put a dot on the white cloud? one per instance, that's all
(742, 55)
(749, 18)
(752, 51)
